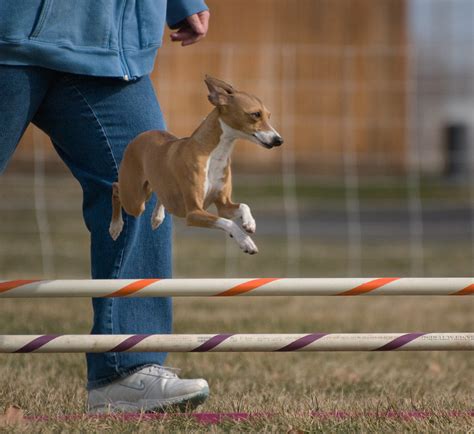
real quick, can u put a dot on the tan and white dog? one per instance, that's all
(190, 174)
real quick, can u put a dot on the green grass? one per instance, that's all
(369, 189)
(287, 385)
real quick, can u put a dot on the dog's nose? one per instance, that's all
(277, 141)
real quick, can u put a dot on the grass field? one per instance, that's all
(287, 385)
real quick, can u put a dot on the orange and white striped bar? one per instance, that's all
(237, 287)
(237, 342)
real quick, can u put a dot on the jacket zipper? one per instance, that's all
(125, 68)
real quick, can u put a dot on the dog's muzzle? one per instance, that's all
(268, 139)
(277, 141)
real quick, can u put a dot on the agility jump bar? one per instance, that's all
(237, 342)
(237, 287)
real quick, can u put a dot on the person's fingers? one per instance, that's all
(193, 30)
(186, 37)
(204, 17)
(195, 23)
(192, 40)
(182, 34)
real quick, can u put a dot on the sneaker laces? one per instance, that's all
(168, 370)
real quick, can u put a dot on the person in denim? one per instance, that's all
(81, 75)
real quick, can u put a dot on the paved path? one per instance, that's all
(455, 224)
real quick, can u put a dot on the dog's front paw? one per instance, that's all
(249, 225)
(115, 229)
(248, 222)
(248, 246)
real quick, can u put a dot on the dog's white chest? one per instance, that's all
(218, 161)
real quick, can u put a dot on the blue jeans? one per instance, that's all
(90, 121)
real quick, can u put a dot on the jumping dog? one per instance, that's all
(190, 174)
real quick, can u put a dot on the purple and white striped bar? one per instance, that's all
(238, 342)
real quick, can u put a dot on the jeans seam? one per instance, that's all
(99, 123)
(115, 165)
(117, 267)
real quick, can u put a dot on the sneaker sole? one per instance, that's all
(182, 403)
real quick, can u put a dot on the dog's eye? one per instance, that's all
(256, 115)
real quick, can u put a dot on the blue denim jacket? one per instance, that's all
(111, 38)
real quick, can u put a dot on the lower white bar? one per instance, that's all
(241, 342)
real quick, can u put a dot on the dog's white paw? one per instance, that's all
(249, 225)
(247, 245)
(248, 222)
(156, 222)
(158, 216)
(115, 229)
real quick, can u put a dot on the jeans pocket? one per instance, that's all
(80, 24)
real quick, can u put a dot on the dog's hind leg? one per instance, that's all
(158, 215)
(116, 223)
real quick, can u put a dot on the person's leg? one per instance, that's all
(91, 121)
(22, 88)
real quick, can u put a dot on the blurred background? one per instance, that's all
(375, 101)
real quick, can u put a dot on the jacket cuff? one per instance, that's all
(179, 10)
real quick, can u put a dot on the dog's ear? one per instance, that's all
(220, 92)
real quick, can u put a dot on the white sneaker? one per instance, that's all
(153, 388)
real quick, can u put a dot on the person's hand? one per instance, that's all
(193, 29)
